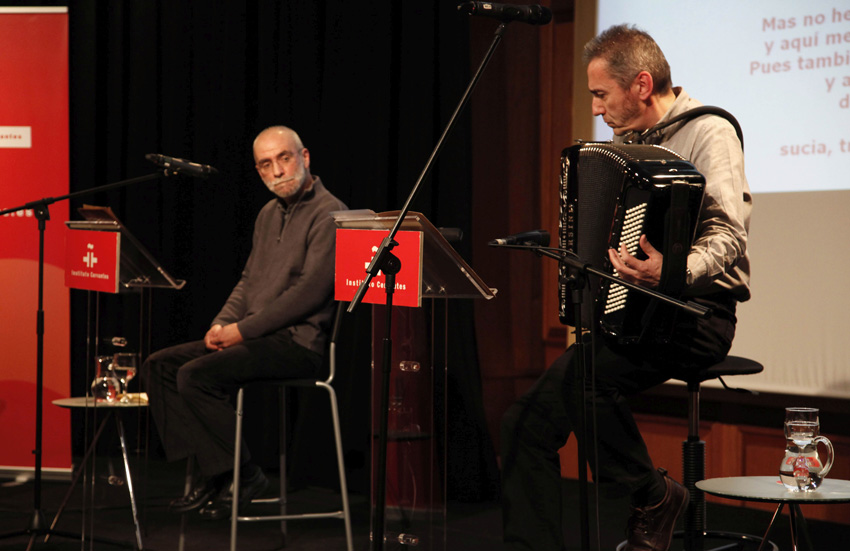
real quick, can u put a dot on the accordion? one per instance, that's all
(610, 195)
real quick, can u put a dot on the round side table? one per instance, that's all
(770, 490)
(86, 402)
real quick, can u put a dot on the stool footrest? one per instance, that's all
(301, 516)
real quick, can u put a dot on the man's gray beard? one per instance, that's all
(281, 192)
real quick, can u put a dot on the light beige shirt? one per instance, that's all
(718, 259)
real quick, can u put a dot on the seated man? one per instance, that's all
(273, 326)
(630, 82)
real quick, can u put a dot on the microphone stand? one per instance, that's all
(577, 281)
(388, 263)
(42, 214)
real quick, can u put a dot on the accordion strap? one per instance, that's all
(691, 114)
(676, 247)
(677, 240)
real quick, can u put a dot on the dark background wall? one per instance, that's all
(368, 85)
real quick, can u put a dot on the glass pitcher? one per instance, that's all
(802, 469)
(106, 386)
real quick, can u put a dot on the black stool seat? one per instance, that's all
(732, 365)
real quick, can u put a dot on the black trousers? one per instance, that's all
(190, 389)
(539, 423)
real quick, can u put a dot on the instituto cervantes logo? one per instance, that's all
(90, 259)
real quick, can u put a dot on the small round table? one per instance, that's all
(89, 403)
(769, 489)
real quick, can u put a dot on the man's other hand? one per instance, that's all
(230, 336)
(213, 338)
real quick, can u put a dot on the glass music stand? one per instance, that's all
(138, 272)
(139, 268)
(415, 489)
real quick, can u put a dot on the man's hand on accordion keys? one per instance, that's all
(642, 272)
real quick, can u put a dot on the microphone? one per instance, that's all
(180, 166)
(536, 237)
(534, 15)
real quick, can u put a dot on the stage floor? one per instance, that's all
(470, 526)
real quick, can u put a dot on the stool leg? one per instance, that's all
(343, 485)
(234, 507)
(693, 463)
(282, 457)
(694, 471)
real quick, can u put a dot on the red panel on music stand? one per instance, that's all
(91, 260)
(354, 252)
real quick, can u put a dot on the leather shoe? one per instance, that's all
(201, 493)
(651, 528)
(220, 506)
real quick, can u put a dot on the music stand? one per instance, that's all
(417, 364)
(138, 267)
(445, 274)
(125, 265)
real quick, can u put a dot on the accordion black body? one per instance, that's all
(612, 194)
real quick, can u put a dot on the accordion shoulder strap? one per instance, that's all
(687, 116)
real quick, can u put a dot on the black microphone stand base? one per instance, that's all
(37, 531)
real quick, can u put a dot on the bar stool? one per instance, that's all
(343, 514)
(693, 458)
(694, 533)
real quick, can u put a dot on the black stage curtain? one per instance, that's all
(369, 86)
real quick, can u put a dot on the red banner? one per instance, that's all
(34, 164)
(354, 252)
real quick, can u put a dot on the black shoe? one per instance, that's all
(651, 528)
(220, 506)
(201, 493)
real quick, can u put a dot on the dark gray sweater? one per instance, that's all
(288, 280)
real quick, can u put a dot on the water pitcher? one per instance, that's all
(802, 469)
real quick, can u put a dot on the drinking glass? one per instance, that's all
(124, 364)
